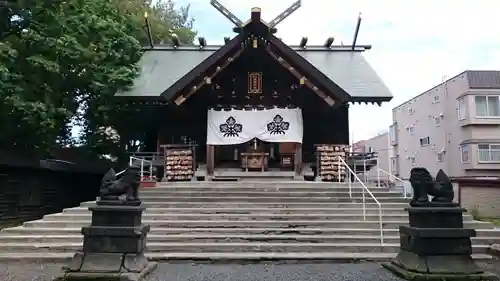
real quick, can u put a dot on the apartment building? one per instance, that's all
(382, 146)
(454, 126)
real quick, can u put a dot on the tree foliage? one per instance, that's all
(62, 61)
(164, 19)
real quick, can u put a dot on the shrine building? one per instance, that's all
(252, 104)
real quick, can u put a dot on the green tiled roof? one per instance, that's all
(351, 72)
(163, 66)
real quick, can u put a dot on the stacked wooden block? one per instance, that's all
(179, 164)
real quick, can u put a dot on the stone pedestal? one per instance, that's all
(436, 246)
(113, 245)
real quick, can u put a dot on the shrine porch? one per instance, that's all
(237, 174)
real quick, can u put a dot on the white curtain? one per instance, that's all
(240, 126)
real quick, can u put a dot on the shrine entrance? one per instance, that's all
(256, 155)
(254, 140)
(242, 82)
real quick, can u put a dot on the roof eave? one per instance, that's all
(213, 48)
(371, 99)
(139, 97)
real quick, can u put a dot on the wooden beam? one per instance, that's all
(300, 77)
(255, 16)
(208, 79)
(180, 99)
(288, 11)
(210, 159)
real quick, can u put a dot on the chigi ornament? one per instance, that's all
(255, 83)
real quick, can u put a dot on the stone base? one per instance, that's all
(418, 276)
(108, 267)
(428, 242)
(495, 250)
(435, 215)
(412, 266)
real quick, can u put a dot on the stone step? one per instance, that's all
(223, 247)
(259, 188)
(233, 238)
(245, 217)
(293, 194)
(237, 230)
(176, 204)
(269, 199)
(264, 183)
(356, 210)
(281, 185)
(228, 257)
(43, 231)
(292, 224)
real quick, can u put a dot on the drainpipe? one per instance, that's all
(446, 143)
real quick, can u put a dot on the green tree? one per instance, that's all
(69, 52)
(164, 19)
(65, 59)
(129, 119)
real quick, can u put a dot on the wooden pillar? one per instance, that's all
(210, 159)
(158, 142)
(298, 158)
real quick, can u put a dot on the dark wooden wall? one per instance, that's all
(322, 123)
(30, 189)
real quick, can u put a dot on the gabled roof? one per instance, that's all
(165, 69)
(344, 76)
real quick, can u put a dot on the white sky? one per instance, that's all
(415, 43)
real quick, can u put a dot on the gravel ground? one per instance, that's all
(17, 271)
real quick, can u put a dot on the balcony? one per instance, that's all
(488, 155)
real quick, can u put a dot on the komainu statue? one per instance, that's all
(424, 185)
(128, 185)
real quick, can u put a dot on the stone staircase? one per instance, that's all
(244, 221)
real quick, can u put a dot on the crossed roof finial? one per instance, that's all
(239, 23)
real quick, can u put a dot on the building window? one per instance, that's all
(410, 129)
(413, 160)
(425, 141)
(436, 99)
(394, 165)
(438, 121)
(487, 106)
(392, 134)
(370, 149)
(461, 108)
(464, 153)
(488, 153)
(410, 111)
(440, 156)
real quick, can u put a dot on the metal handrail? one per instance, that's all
(131, 161)
(121, 172)
(365, 188)
(397, 179)
(365, 170)
(152, 156)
